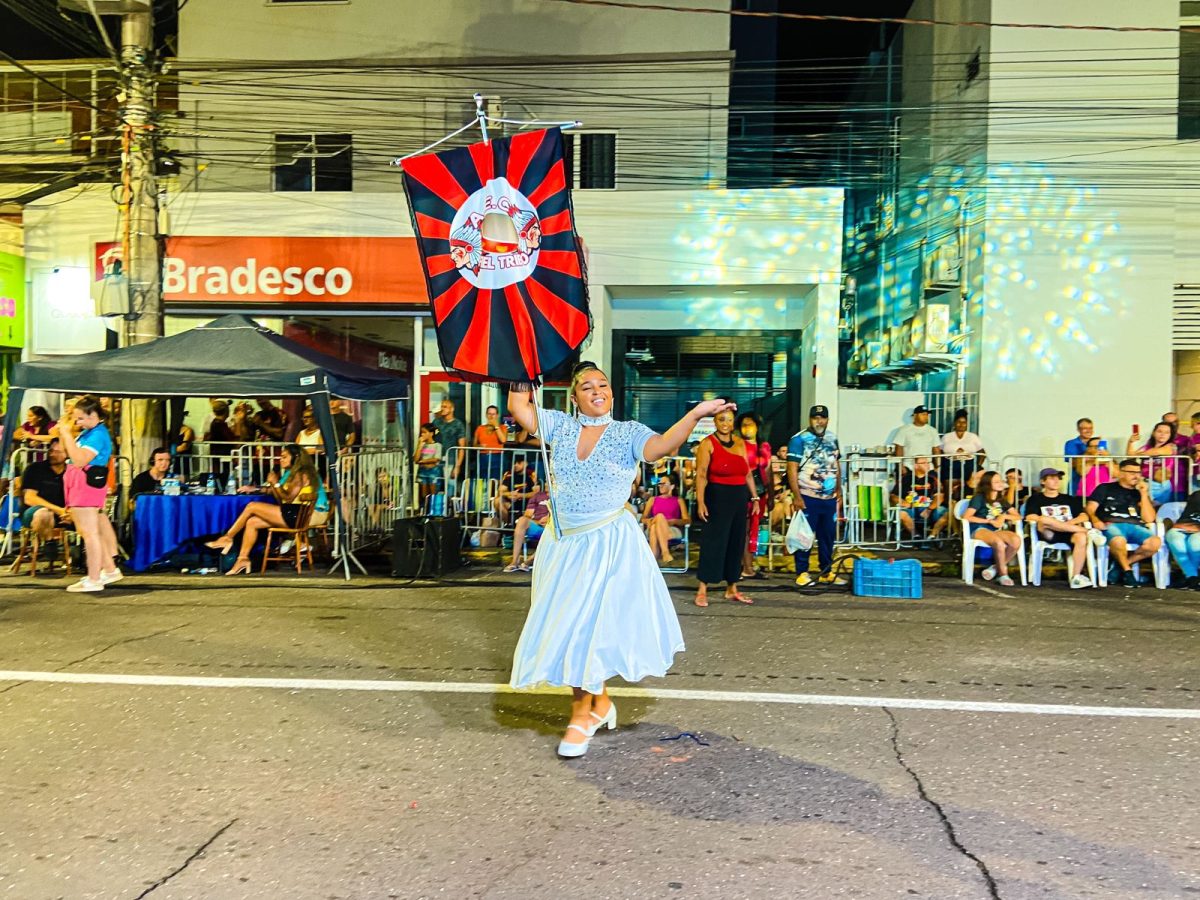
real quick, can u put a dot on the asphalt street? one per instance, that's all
(184, 737)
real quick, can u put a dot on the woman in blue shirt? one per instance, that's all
(85, 483)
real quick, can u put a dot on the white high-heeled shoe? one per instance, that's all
(609, 719)
(569, 750)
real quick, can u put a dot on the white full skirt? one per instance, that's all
(600, 608)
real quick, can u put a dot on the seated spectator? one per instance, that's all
(517, 485)
(531, 525)
(300, 485)
(989, 517)
(35, 430)
(920, 499)
(962, 453)
(43, 495)
(428, 459)
(150, 481)
(1183, 540)
(1015, 492)
(918, 439)
(1121, 510)
(664, 518)
(1166, 476)
(1056, 515)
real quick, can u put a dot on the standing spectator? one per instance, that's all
(530, 525)
(242, 423)
(1166, 476)
(724, 491)
(493, 436)
(989, 516)
(1015, 491)
(963, 452)
(1121, 510)
(920, 499)
(221, 439)
(85, 486)
(918, 439)
(814, 475)
(43, 496)
(181, 447)
(517, 485)
(758, 456)
(664, 519)
(1055, 515)
(1075, 449)
(309, 437)
(35, 430)
(453, 438)
(1183, 540)
(428, 458)
(269, 422)
(1171, 418)
(343, 424)
(1094, 468)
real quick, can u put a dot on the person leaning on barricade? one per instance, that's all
(1122, 511)
(919, 438)
(962, 456)
(1165, 472)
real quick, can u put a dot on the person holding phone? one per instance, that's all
(1122, 512)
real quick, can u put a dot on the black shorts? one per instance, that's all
(290, 513)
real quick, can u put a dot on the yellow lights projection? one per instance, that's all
(760, 237)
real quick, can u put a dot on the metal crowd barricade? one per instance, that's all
(878, 515)
(375, 491)
(475, 495)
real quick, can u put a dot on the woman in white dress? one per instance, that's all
(600, 605)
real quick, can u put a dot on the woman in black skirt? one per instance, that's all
(724, 492)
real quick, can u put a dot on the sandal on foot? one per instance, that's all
(224, 544)
(739, 597)
(240, 567)
(701, 601)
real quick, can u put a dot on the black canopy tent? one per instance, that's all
(231, 356)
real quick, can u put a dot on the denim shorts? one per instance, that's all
(1133, 532)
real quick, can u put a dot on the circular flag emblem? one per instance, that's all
(495, 236)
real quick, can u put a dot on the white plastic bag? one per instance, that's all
(799, 534)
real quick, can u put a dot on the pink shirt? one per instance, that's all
(667, 506)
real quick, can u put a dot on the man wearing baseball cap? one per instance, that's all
(814, 474)
(918, 439)
(1060, 518)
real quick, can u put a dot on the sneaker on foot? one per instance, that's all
(803, 580)
(1005, 581)
(989, 573)
(1080, 581)
(111, 577)
(286, 546)
(85, 585)
(1128, 579)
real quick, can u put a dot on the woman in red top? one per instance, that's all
(724, 492)
(758, 457)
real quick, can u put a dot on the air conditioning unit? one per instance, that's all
(943, 267)
(931, 329)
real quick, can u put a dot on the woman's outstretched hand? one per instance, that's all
(712, 407)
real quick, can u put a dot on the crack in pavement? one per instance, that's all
(947, 826)
(105, 649)
(128, 640)
(196, 854)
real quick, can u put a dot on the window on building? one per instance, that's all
(314, 162)
(1189, 71)
(591, 159)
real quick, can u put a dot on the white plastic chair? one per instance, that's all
(1160, 562)
(1037, 554)
(970, 545)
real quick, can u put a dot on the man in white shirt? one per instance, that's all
(918, 439)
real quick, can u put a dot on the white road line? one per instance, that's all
(473, 687)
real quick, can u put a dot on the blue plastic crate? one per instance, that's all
(887, 578)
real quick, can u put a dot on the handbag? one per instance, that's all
(96, 476)
(799, 534)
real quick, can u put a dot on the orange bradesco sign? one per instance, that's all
(290, 270)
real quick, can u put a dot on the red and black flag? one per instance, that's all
(502, 262)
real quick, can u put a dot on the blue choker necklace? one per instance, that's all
(595, 420)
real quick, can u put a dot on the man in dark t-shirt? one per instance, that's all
(516, 486)
(150, 481)
(42, 493)
(919, 497)
(1122, 510)
(1060, 518)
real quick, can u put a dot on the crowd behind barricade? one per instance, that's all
(239, 450)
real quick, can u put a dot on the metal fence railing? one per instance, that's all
(1170, 478)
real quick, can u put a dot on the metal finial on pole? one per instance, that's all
(481, 115)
